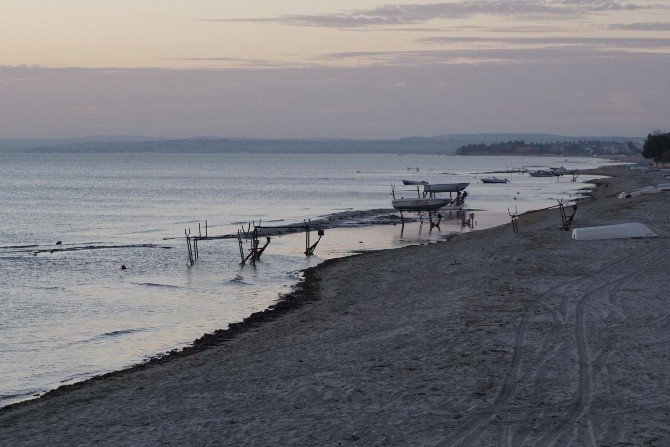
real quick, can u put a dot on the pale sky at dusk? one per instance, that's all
(356, 69)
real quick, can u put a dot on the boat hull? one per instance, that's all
(494, 180)
(541, 174)
(414, 182)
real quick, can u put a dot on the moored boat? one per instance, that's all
(415, 182)
(494, 179)
(541, 173)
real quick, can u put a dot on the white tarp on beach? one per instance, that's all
(619, 231)
(639, 192)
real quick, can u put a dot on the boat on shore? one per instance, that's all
(494, 179)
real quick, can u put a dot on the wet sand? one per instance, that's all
(488, 339)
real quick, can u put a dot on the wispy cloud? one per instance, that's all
(222, 62)
(651, 26)
(585, 42)
(409, 14)
(497, 55)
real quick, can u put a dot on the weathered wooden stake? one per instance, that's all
(239, 241)
(565, 219)
(188, 246)
(515, 223)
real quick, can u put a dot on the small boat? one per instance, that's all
(562, 171)
(445, 187)
(427, 204)
(494, 179)
(541, 173)
(414, 182)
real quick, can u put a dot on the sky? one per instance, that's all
(347, 69)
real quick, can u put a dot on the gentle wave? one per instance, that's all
(19, 395)
(100, 247)
(153, 284)
(112, 334)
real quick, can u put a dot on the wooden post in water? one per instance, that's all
(188, 246)
(239, 241)
(515, 223)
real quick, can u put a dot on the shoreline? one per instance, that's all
(300, 293)
(288, 301)
(310, 291)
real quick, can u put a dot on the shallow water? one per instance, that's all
(67, 315)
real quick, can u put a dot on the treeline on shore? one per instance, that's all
(563, 148)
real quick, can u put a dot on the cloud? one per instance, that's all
(409, 14)
(660, 26)
(584, 42)
(366, 102)
(498, 55)
(223, 62)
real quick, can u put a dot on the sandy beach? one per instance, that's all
(491, 338)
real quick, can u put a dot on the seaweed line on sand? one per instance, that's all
(301, 294)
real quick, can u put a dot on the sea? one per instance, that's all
(70, 221)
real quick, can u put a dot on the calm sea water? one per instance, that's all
(68, 315)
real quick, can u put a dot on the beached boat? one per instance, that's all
(445, 187)
(541, 173)
(494, 179)
(414, 182)
(427, 204)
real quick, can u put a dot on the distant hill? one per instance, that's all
(439, 145)
(20, 144)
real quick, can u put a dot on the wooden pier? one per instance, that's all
(253, 233)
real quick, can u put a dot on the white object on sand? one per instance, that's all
(627, 230)
(639, 192)
(650, 190)
(628, 195)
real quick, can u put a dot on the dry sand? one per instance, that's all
(489, 339)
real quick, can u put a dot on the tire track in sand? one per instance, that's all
(468, 433)
(583, 397)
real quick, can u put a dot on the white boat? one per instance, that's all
(541, 173)
(414, 182)
(427, 204)
(494, 179)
